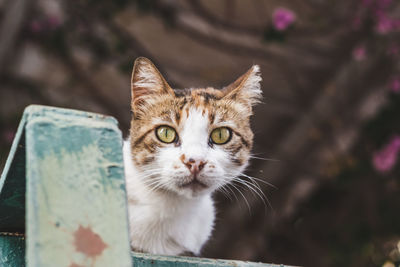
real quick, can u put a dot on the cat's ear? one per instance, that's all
(147, 80)
(246, 88)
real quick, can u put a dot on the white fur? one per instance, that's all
(164, 217)
(252, 87)
(253, 81)
(147, 77)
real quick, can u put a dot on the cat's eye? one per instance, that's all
(221, 135)
(166, 134)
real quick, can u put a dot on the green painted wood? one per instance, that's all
(70, 165)
(148, 260)
(12, 185)
(75, 199)
(12, 251)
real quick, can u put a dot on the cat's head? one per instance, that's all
(192, 141)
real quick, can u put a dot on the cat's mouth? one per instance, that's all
(194, 184)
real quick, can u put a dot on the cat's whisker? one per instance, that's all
(224, 192)
(254, 186)
(266, 159)
(152, 189)
(253, 179)
(147, 170)
(252, 183)
(225, 186)
(149, 173)
(151, 180)
(258, 179)
(154, 184)
(240, 192)
(226, 182)
(232, 192)
(245, 187)
(146, 175)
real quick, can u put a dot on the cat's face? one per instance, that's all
(190, 142)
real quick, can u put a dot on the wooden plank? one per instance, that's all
(75, 200)
(12, 250)
(148, 260)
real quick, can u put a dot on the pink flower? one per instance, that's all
(359, 53)
(395, 85)
(384, 25)
(385, 159)
(282, 18)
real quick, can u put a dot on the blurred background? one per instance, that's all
(327, 134)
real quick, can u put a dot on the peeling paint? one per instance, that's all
(88, 242)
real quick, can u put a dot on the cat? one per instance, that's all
(184, 144)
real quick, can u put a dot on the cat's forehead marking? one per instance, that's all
(202, 99)
(195, 134)
(196, 120)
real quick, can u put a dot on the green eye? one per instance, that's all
(221, 135)
(166, 134)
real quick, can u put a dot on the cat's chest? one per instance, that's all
(167, 230)
(170, 218)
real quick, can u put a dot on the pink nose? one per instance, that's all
(194, 166)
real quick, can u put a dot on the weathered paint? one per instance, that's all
(148, 260)
(12, 250)
(75, 190)
(88, 242)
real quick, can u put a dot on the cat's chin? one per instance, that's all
(194, 185)
(193, 189)
(192, 193)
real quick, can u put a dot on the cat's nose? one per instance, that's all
(194, 166)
